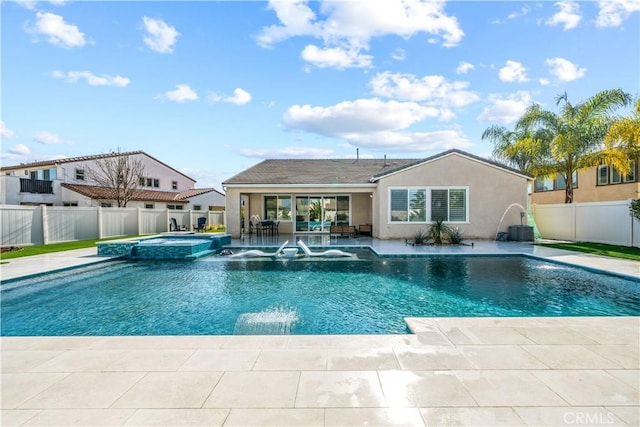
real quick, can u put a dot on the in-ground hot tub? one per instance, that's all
(166, 246)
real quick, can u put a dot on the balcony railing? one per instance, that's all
(38, 186)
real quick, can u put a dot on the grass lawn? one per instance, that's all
(55, 247)
(614, 251)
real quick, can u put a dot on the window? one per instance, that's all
(50, 174)
(631, 176)
(69, 203)
(439, 205)
(80, 174)
(156, 182)
(615, 176)
(149, 206)
(410, 204)
(149, 182)
(174, 185)
(106, 205)
(197, 207)
(603, 175)
(545, 183)
(399, 205)
(277, 208)
(610, 175)
(142, 181)
(176, 207)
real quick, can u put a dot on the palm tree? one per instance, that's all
(625, 133)
(507, 145)
(560, 144)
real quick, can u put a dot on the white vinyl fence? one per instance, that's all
(598, 222)
(36, 225)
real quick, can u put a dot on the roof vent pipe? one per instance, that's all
(384, 165)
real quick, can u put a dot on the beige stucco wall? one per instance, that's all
(491, 192)
(589, 191)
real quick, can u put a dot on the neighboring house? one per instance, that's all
(596, 184)
(66, 182)
(397, 197)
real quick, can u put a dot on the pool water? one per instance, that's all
(216, 296)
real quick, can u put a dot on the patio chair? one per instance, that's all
(327, 253)
(202, 223)
(173, 225)
(259, 253)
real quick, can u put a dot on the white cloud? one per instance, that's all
(5, 132)
(569, 15)
(410, 142)
(564, 70)
(336, 57)
(359, 116)
(506, 110)
(182, 93)
(159, 36)
(513, 72)
(49, 138)
(56, 31)
(431, 89)
(19, 150)
(399, 55)
(375, 124)
(349, 26)
(287, 152)
(464, 67)
(240, 97)
(613, 12)
(514, 15)
(92, 79)
(544, 82)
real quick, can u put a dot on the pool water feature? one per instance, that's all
(166, 246)
(362, 295)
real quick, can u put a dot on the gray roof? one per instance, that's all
(316, 171)
(337, 171)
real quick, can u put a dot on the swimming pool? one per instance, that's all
(363, 295)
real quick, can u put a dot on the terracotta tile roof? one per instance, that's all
(337, 171)
(187, 194)
(105, 193)
(87, 158)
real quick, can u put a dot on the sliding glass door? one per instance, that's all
(317, 213)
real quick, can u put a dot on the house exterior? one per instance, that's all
(66, 182)
(596, 184)
(395, 197)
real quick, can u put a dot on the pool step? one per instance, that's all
(273, 322)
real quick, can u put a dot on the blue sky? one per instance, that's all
(212, 88)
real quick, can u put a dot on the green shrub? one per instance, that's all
(455, 236)
(635, 208)
(438, 231)
(420, 238)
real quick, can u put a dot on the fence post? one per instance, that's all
(139, 230)
(45, 226)
(99, 213)
(574, 219)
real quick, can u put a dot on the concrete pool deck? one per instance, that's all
(451, 371)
